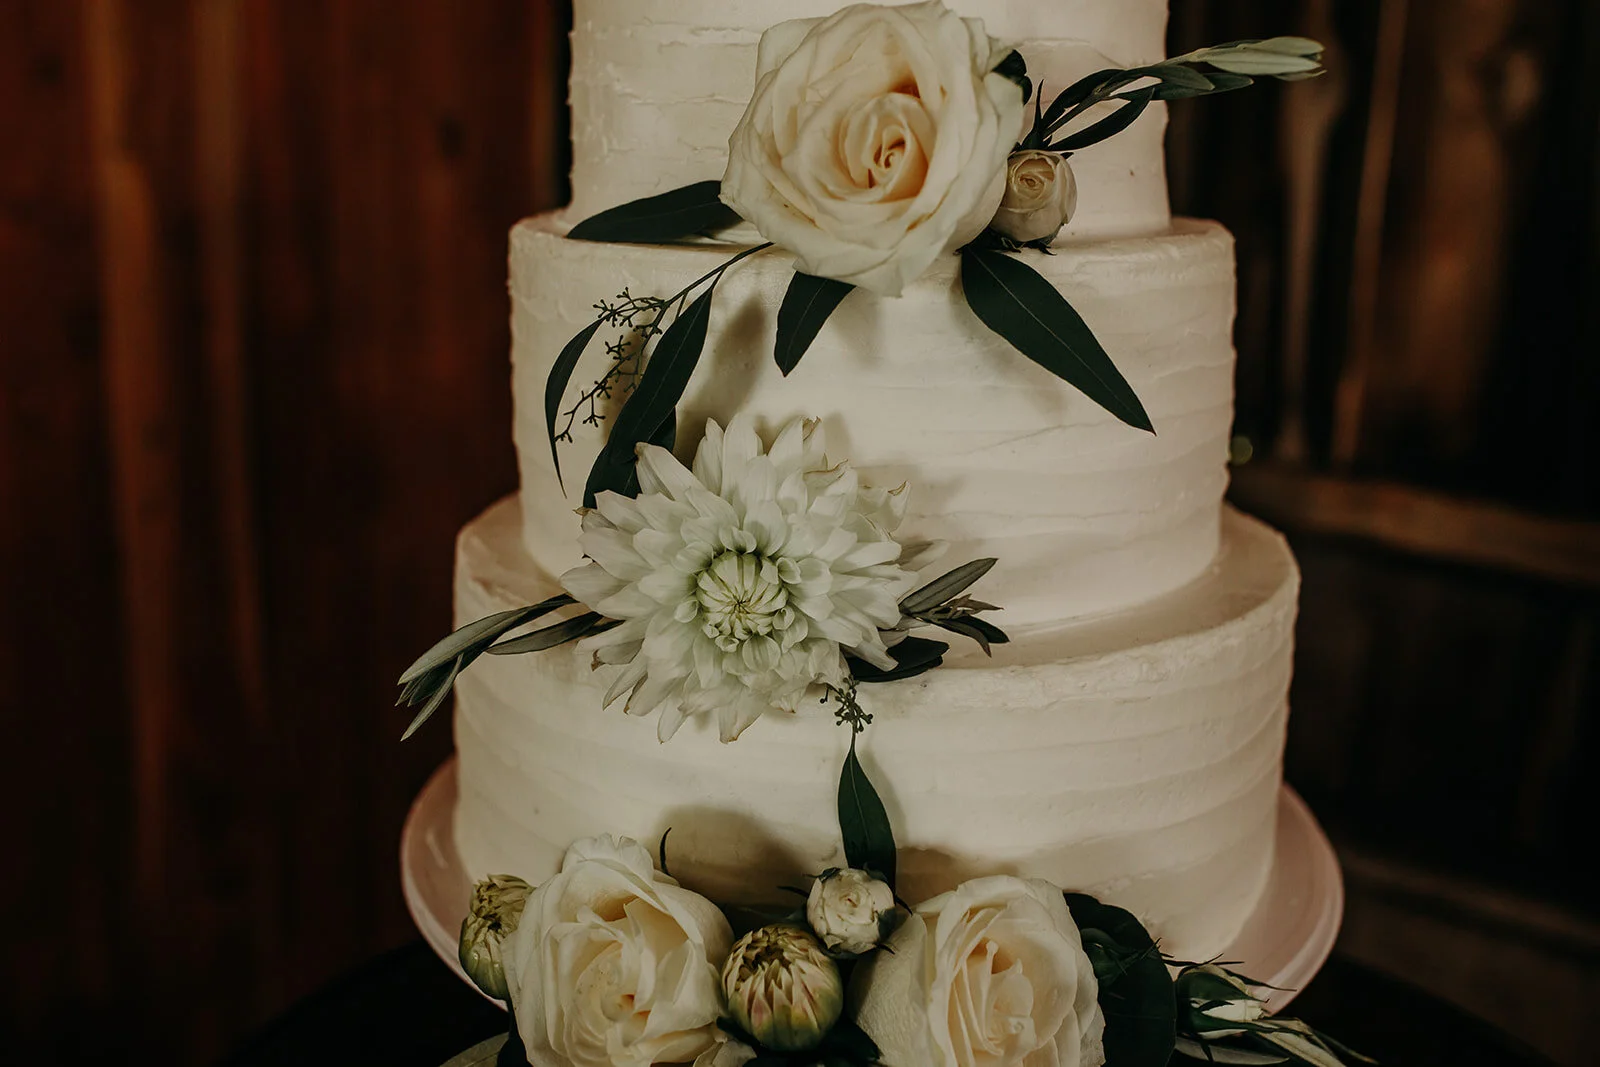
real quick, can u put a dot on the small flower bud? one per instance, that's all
(1041, 196)
(496, 908)
(849, 910)
(782, 988)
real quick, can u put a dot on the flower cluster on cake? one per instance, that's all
(772, 593)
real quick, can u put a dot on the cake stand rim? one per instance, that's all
(428, 857)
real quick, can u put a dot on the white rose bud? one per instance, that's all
(849, 910)
(496, 908)
(1041, 196)
(782, 988)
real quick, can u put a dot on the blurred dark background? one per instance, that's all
(253, 378)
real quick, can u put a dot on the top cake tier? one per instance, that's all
(658, 87)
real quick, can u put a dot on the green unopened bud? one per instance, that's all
(782, 988)
(496, 908)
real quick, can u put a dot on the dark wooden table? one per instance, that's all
(406, 1009)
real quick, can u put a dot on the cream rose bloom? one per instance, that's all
(613, 964)
(875, 142)
(991, 973)
(1041, 195)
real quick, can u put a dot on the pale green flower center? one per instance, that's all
(741, 596)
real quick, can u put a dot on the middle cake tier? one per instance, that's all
(1003, 459)
(1137, 755)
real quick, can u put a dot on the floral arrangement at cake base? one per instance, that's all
(612, 963)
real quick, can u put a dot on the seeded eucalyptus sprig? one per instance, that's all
(1234, 66)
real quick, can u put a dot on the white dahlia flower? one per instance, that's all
(740, 583)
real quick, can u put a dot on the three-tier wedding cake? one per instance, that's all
(1054, 406)
(1129, 739)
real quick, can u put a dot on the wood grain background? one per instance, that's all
(253, 378)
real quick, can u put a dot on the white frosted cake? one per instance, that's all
(1127, 742)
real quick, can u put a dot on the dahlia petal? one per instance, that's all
(708, 458)
(590, 584)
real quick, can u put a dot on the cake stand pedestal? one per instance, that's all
(1284, 942)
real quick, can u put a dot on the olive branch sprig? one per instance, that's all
(1233, 66)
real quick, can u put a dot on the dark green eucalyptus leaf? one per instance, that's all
(555, 387)
(913, 656)
(979, 630)
(669, 216)
(1139, 1006)
(513, 1053)
(949, 584)
(1077, 93)
(665, 377)
(551, 636)
(1111, 125)
(807, 304)
(863, 821)
(481, 632)
(1014, 301)
(1014, 68)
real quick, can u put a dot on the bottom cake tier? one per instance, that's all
(1136, 756)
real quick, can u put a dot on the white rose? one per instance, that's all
(1041, 195)
(875, 142)
(991, 973)
(847, 909)
(614, 964)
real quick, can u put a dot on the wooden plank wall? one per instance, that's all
(1419, 245)
(253, 379)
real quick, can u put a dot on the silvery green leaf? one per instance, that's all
(438, 698)
(947, 585)
(480, 632)
(549, 637)
(483, 1054)
(1178, 74)
(1306, 1049)
(1274, 64)
(1291, 46)
(1213, 1053)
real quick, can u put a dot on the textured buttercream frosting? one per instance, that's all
(1136, 755)
(658, 86)
(1002, 458)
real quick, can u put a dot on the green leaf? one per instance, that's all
(950, 584)
(913, 656)
(1208, 1052)
(980, 630)
(1178, 74)
(481, 632)
(863, 822)
(1139, 1006)
(1015, 69)
(1112, 124)
(440, 695)
(660, 388)
(1014, 301)
(551, 636)
(669, 216)
(1291, 46)
(807, 304)
(1077, 93)
(556, 385)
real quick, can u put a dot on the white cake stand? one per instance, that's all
(1284, 943)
